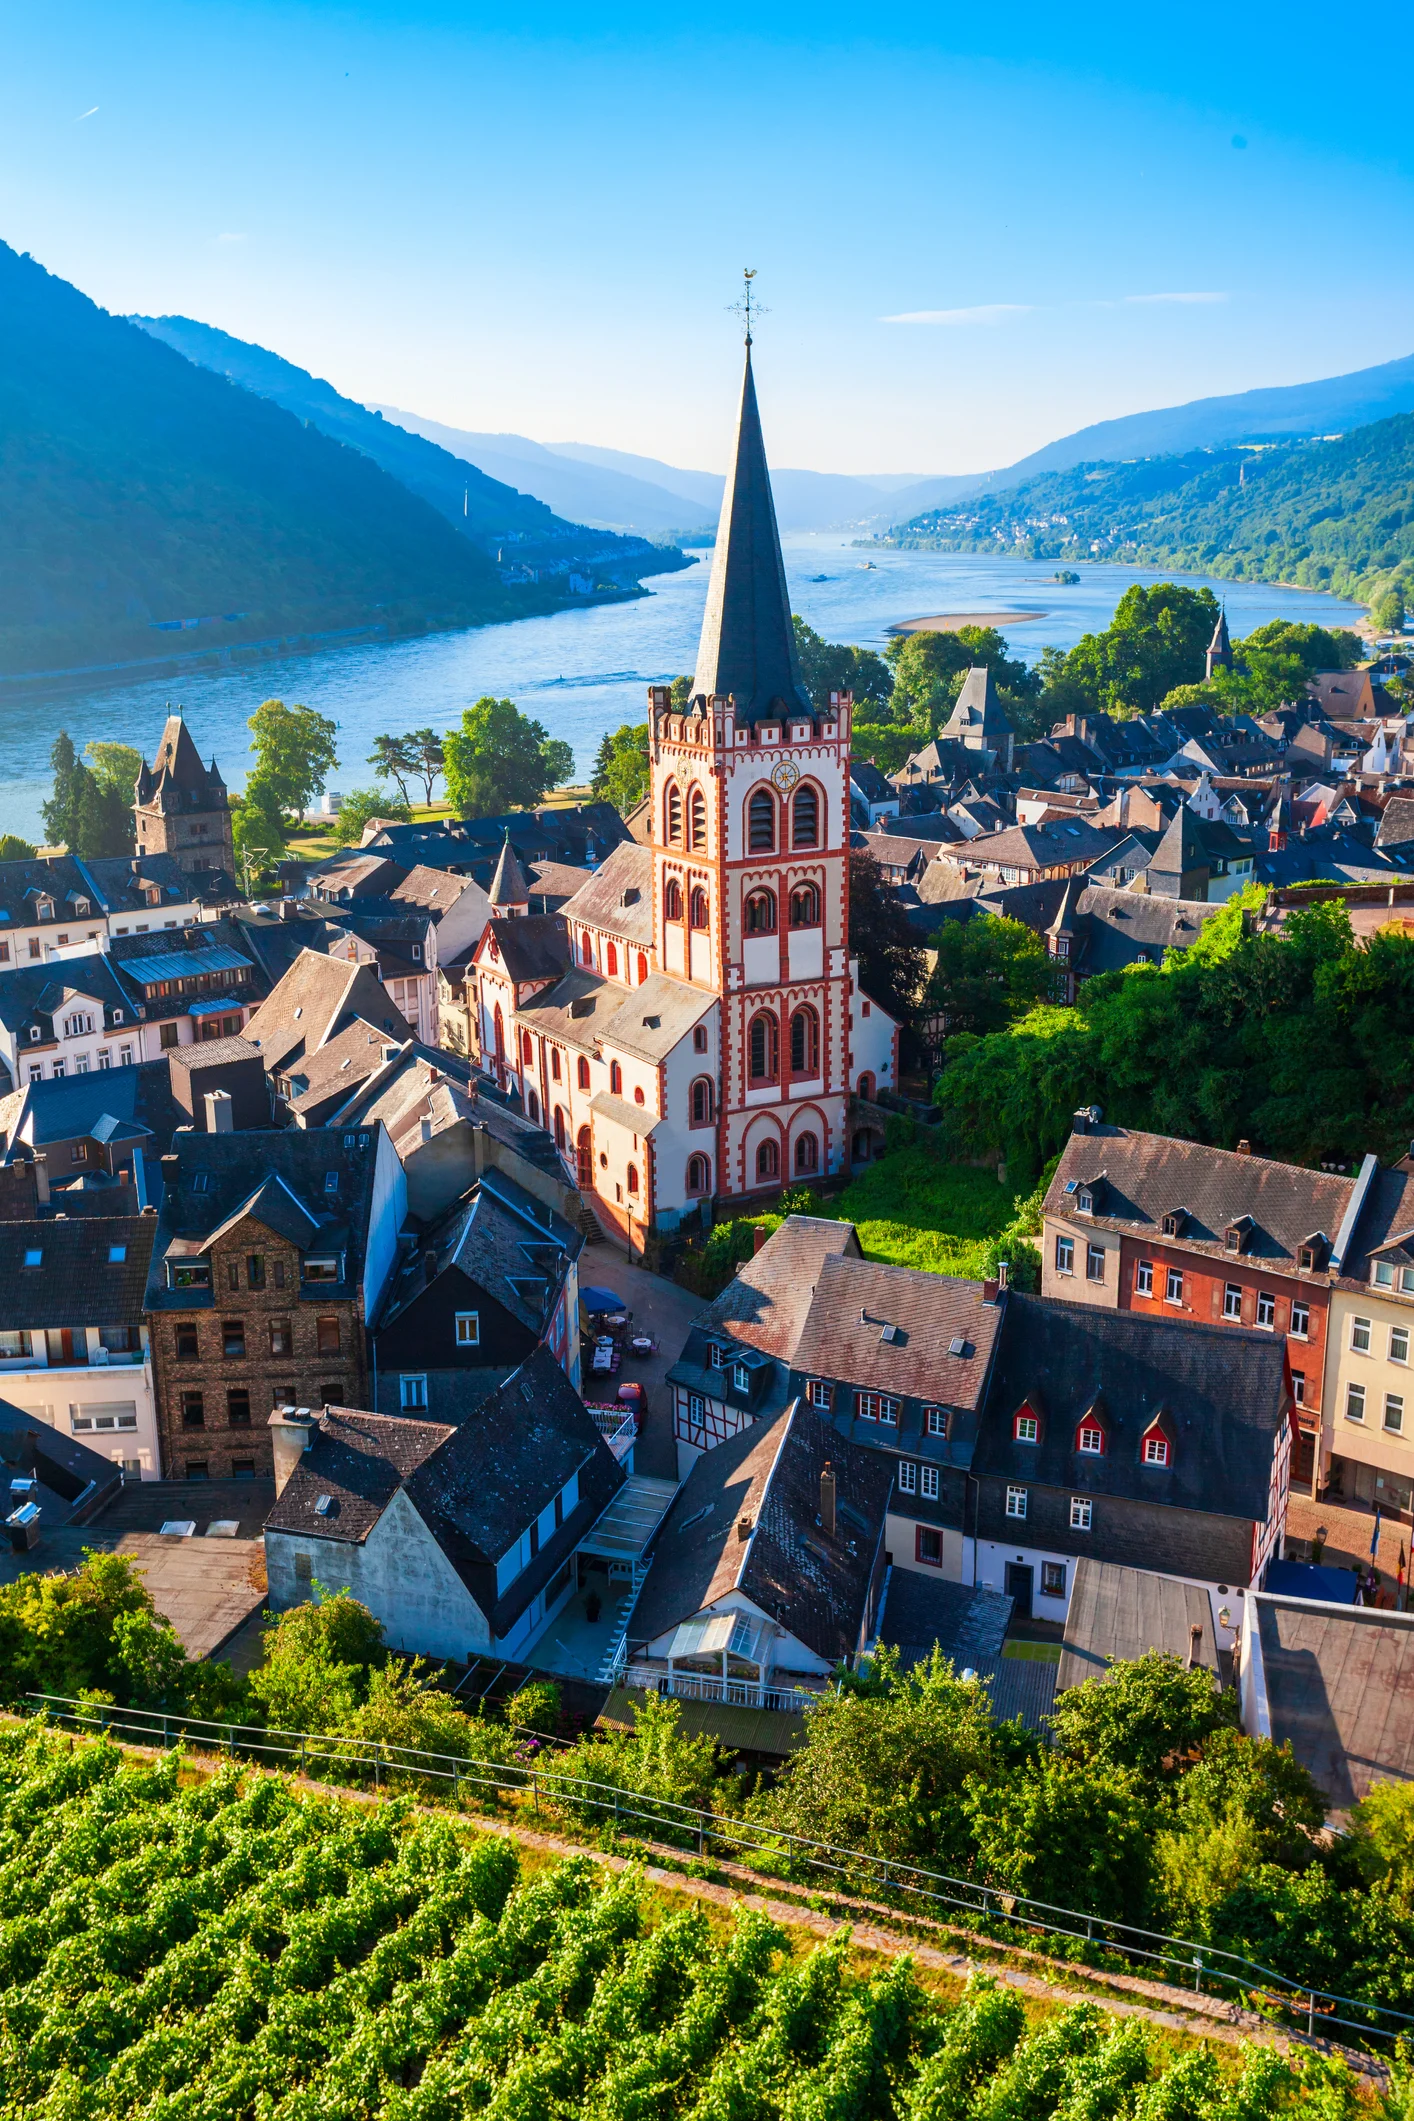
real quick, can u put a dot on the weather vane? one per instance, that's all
(746, 309)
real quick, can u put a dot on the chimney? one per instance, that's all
(1244, 1147)
(989, 1292)
(827, 1498)
(743, 1529)
(220, 1112)
(1003, 1273)
(292, 1431)
(759, 1237)
(1195, 1641)
(287, 909)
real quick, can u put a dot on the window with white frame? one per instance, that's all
(468, 1329)
(1065, 1255)
(1156, 1450)
(1300, 1320)
(1094, 1262)
(1091, 1440)
(928, 1483)
(1298, 1387)
(1028, 1429)
(1399, 1343)
(1360, 1336)
(1173, 1286)
(1053, 1579)
(907, 1477)
(1232, 1300)
(1394, 1413)
(1355, 1402)
(935, 1421)
(1016, 1502)
(741, 1377)
(1266, 1308)
(819, 1393)
(1143, 1277)
(1080, 1509)
(412, 1391)
(876, 1406)
(717, 1355)
(696, 1406)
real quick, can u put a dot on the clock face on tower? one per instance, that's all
(786, 775)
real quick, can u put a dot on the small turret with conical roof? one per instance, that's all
(509, 893)
(1220, 647)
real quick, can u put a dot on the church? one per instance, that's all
(690, 1028)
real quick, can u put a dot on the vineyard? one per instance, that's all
(230, 1947)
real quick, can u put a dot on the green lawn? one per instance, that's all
(914, 1210)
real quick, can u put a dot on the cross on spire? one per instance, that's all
(748, 307)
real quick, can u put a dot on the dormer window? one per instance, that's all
(1090, 1440)
(717, 1355)
(1311, 1253)
(1237, 1235)
(1026, 1428)
(1156, 1450)
(1085, 1201)
(1174, 1222)
(741, 1377)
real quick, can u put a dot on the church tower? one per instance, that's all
(750, 844)
(1219, 656)
(180, 807)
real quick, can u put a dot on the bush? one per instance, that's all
(1146, 1714)
(654, 1763)
(535, 1707)
(1073, 1833)
(318, 1660)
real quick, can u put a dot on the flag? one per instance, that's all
(1375, 1535)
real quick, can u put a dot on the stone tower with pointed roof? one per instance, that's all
(750, 842)
(509, 893)
(1219, 656)
(181, 807)
(978, 722)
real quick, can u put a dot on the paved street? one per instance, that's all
(666, 1311)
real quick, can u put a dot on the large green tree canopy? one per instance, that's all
(501, 760)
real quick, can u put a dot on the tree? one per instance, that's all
(1318, 647)
(1074, 1833)
(431, 759)
(884, 1764)
(501, 760)
(1157, 639)
(828, 666)
(1388, 613)
(295, 750)
(393, 759)
(890, 959)
(361, 804)
(1247, 1802)
(115, 767)
(621, 769)
(257, 831)
(929, 669)
(317, 1663)
(1382, 1838)
(988, 972)
(14, 849)
(91, 818)
(1143, 1715)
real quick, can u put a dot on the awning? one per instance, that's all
(709, 1634)
(631, 1519)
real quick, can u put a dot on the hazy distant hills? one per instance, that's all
(1336, 515)
(141, 494)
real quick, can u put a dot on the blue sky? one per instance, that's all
(540, 230)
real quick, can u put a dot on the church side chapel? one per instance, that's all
(690, 1027)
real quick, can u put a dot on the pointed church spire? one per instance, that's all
(1220, 647)
(508, 886)
(748, 642)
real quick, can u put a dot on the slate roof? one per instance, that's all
(813, 1584)
(1222, 1389)
(76, 1283)
(747, 648)
(968, 1622)
(978, 711)
(302, 1160)
(635, 1119)
(360, 1461)
(1387, 1216)
(557, 881)
(529, 946)
(73, 1481)
(871, 783)
(1147, 1176)
(73, 1107)
(317, 998)
(1396, 827)
(507, 1243)
(1342, 695)
(112, 884)
(655, 1016)
(575, 1010)
(507, 886)
(856, 1299)
(600, 902)
(434, 891)
(36, 994)
(1037, 847)
(323, 1081)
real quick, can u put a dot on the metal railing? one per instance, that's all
(1008, 1918)
(618, 1425)
(732, 1693)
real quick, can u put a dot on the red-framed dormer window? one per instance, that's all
(1156, 1445)
(1026, 1424)
(1090, 1438)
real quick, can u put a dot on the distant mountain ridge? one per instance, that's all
(1335, 515)
(146, 502)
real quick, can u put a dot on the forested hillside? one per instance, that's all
(1336, 515)
(138, 490)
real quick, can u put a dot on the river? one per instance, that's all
(581, 672)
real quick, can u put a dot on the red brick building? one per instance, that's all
(1144, 1222)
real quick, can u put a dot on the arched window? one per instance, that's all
(527, 1050)
(698, 907)
(500, 1029)
(555, 1062)
(807, 1153)
(560, 1134)
(805, 1043)
(582, 1069)
(763, 1048)
(701, 1101)
(697, 819)
(866, 1085)
(672, 900)
(761, 822)
(761, 913)
(633, 1178)
(638, 1097)
(805, 906)
(611, 960)
(805, 817)
(672, 815)
(768, 1160)
(699, 1175)
(586, 948)
(642, 968)
(584, 1156)
(532, 1105)
(616, 1079)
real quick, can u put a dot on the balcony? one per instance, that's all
(653, 1675)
